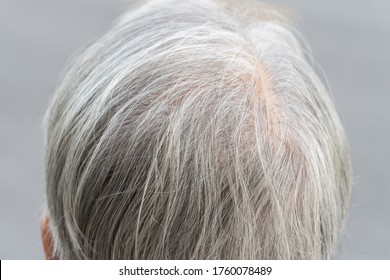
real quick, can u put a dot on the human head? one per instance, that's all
(195, 130)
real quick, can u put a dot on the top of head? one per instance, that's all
(195, 129)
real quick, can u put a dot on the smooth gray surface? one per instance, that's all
(349, 39)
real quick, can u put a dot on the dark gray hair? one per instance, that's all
(196, 130)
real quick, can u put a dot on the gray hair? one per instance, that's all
(196, 130)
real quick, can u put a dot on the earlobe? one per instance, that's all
(47, 239)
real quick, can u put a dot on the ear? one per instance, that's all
(47, 239)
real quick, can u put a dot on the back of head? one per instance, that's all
(195, 130)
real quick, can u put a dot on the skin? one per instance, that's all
(47, 240)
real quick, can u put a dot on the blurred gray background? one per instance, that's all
(349, 39)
